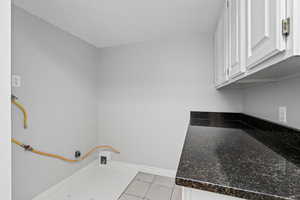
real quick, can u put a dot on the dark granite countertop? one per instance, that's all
(241, 156)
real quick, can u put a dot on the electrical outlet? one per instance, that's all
(282, 114)
(16, 81)
(104, 157)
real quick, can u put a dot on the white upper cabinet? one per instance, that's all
(264, 37)
(257, 41)
(221, 50)
(236, 37)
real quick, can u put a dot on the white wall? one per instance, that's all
(5, 114)
(58, 89)
(146, 92)
(263, 101)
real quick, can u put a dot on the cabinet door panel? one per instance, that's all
(264, 36)
(220, 50)
(236, 37)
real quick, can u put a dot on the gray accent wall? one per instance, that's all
(59, 78)
(134, 97)
(263, 101)
(147, 90)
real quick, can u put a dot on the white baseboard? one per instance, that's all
(147, 169)
(194, 194)
(115, 165)
(186, 194)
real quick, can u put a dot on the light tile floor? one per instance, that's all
(151, 187)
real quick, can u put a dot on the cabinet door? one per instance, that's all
(264, 30)
(221, 50)
(236, 37)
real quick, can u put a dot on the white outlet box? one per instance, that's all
(104, 157)
(282, 115)
(16, 81)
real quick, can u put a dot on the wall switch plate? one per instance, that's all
(282, 115)
(16, 81)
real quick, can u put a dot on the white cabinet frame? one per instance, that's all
(269, 55)
(264, 30)
(236, 37)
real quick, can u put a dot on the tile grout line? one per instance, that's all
(153, 183)
(124, 192)
(134, 179)
(150, 184)
(149, 187)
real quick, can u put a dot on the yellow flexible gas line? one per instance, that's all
(29, 148)
(25, 120)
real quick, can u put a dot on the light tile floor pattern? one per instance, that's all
(151, 187)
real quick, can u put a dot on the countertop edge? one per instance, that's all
(214, 119)
(231, 191)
